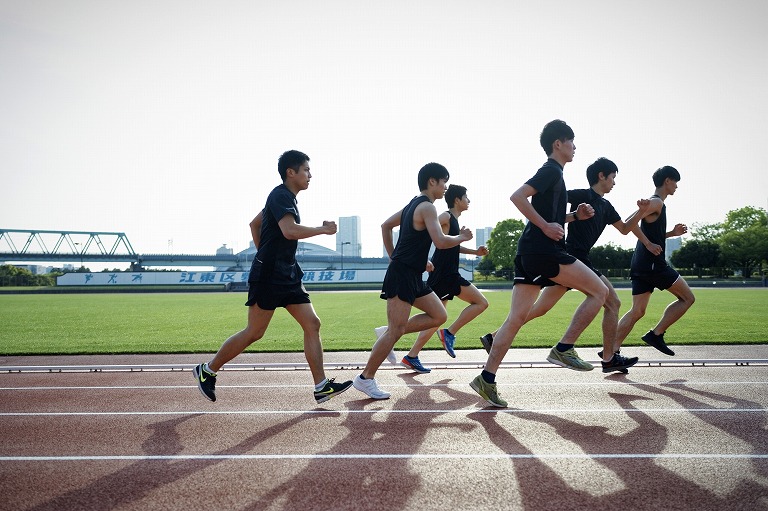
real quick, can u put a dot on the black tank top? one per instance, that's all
(446, 260)
(412, 247)
(656, 232)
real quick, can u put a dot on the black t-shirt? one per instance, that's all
(275, 260)
(446, 261)
(550, 202)
(642, 260)
(583, 234)
(412, 247)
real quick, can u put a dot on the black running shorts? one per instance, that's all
(449, 286)
(538, 269)
(403, 282)
(270, 296)
(645, 282)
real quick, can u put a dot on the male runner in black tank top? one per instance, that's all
(650, 269)
(403, 286)
(446, 281)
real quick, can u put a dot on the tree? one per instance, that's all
(706, 232)
(742, 238)
(486, 266)
(744, 218)
(611, 256)
(697, 254)
(14, 276)
(745, 249)
(502, 244)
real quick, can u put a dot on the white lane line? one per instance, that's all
(462, 411)
(266, 366)
(489, 456)
(400, 385)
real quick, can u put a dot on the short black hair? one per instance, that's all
(454, 192)
(553, 131)
(604, 165)
(290, 160)
(429, 171)
(663, 173)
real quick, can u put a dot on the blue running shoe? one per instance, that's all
(447, 338)
(415, 364)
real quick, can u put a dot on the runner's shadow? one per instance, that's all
(373, 466)
(138, 480)
(632, 458)
(751, 432)
(528, 478)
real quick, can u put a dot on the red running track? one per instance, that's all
(659, 438)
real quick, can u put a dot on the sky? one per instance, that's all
(164, 119)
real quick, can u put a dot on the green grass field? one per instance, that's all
(200, 322)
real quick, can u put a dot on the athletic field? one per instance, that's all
(200, 322)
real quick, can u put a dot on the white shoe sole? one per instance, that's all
(376, 394)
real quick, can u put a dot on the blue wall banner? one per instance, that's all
(169, 278)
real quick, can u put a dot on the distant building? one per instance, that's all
(482, 236)
(223, 250)
(671, 245)
(304, 250)
(395, 236)
(348, 237)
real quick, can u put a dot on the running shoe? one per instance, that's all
(569, 359)
(487, 342)
(447, 338)
(487, 391)
(331, 389)
(657, 341)
(415, 365)
(619, 363)
(391, 357)
(370, 388)
(206, 381)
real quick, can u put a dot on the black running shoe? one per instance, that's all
(657, 341)
(600, 353)
(331, 389)
(619, 363)
(487, 341)
(206, 382)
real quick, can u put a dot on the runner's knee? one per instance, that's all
(601, 293)
(612, 303)
(312, 325)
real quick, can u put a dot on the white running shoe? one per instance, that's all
(391, 357)
(370, 388)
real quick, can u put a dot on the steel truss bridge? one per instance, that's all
(37, 246)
